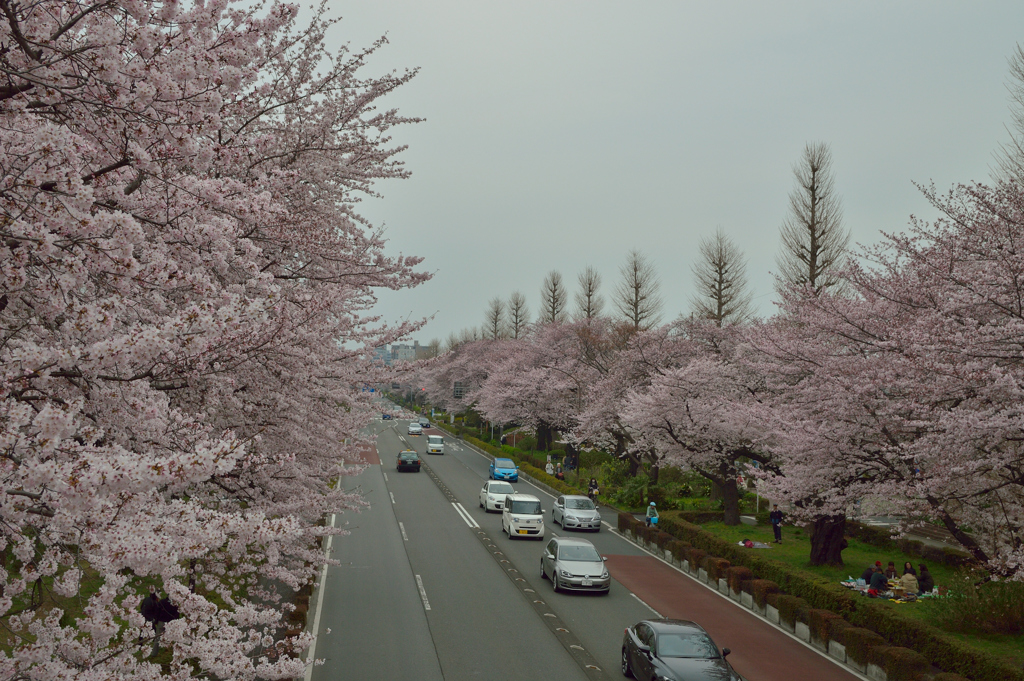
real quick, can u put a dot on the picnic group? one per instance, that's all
(888, 582)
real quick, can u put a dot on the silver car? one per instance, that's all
(574, 565)
(577, 512)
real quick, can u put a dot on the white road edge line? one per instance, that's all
(423, 593)
(392, 497)
(311, 655)
(405, 537)
(644, 603)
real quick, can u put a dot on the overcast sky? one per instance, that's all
(561, 134)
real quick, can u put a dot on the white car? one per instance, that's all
(415, 429)
(522, 516)
(493, 493)
(435, 444)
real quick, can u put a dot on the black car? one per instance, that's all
(673, 650)
(408, 460)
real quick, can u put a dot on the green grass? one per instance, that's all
(796, 547)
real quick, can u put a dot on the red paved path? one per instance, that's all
(367, 454)
(760, 651)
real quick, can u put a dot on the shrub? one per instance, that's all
(716, 567)
(760, 589)
(904, 664)
(949, 677)
(695, 557)
(772, 598)
(792, 609)
(679, 549)
(992, 607)
(626, 521)
(736, 575)
(662, 539)
(825, 625)
(859, 643)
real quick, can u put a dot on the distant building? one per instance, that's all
(382, 355)
(403, 352)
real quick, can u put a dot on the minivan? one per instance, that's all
(435, 444)
(522, 517)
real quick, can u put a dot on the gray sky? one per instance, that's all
(561, 134)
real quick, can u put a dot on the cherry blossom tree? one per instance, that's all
(697, 412)
(908, 388)
(185, 309)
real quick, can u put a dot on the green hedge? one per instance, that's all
(859, 643)
(737, 575)
(760, 589)
(904, 664)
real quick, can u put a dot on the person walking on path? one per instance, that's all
(652, 515)
(775, 518)
(149, 608)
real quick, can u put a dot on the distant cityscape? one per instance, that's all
(403, 352)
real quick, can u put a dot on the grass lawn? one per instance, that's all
(796, 547)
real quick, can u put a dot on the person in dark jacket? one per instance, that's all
(165, 612)
(908, 569)
(149, 607)
(775, 518)
(868, 571)
(890, 571)
(925, 580)
(878, 581)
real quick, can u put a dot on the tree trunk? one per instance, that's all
(827, 540)
(653, 475)
(543, 437)
(731, 501)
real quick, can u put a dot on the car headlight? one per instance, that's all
(490, 498)
(517, 520)
(605, 575)
(565, 573)
(569, 517)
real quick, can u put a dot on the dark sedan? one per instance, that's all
(409, 460)
(673, 650)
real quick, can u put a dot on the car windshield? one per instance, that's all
(504, 463)
(527, 507)
(586, 554)
(501, 488)
(686, 645)
(435, 439)
(581, 504)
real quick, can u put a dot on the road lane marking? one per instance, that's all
(658, 614)
(468, 519)
(311, 655)
(423, 593)
(385, 477)
(405, 537)
(392, 497)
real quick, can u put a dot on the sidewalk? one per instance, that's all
(760, 651)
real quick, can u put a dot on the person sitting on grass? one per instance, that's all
(878, 584)
(908, 569)
(909, 583)
(890, 572)
(868, 571)
(925, 580)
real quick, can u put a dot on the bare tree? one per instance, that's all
(451, 342)
(553, 297)
(518, 314)
(434, 348)
(1010, 156)
(494, 325)
(637, 298)
(589, 302)
(721, 278)
(814, 242)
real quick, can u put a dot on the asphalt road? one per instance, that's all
(419, 596)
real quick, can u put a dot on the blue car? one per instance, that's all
(504, 469)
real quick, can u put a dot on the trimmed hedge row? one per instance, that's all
(870, 631)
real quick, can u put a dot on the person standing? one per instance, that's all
(775, 518)
(548, 468)
(149, 607)
(165, 612)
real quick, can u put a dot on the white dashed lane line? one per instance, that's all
(405, 537)
(392, 497)
(423, 593)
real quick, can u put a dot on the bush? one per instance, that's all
(736, 575)
(760, 589)
(825, 625)
(992, 607)
(792, 609)
(859, 642)
(904, 664)
(662, 539)
(594, 458)
(626, 521)
(678, 549)
(696, 556)
(715, 567)
(949, 677)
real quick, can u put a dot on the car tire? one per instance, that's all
(627, 669)
(554, 581)
(482, 505)
(543, 575)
